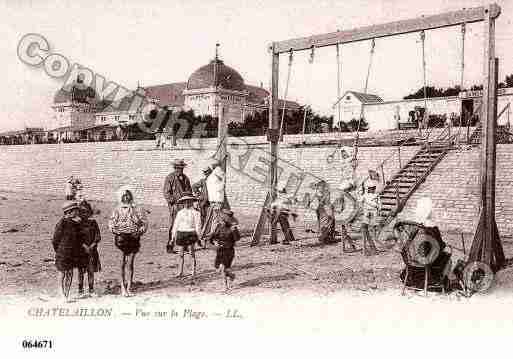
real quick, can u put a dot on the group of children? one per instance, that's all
(77, 235)
(75, 242)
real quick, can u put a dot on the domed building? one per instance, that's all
(207, 88)
(75, 107)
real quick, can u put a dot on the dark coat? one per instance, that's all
(90, 233)
(67, 242)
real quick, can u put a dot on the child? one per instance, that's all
(67, 243)
(371, 205)
(91, 237)
(128, 224)
(224, 237)
(186, 230)
(69, 189)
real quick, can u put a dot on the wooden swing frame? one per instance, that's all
(486, 246)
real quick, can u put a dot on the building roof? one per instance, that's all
(216, 74)
(168, 94)
(365, 97)
(77, 92)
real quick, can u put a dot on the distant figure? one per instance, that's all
(128, 223)
(224, 238)
(371, 205)
(69, 189)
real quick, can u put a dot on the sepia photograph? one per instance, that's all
(194, 176)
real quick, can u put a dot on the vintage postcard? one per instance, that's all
(191, 175)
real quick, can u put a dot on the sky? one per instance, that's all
(158, 42)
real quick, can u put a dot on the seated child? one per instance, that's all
(128, 223)
(224, 237)
(186, 230)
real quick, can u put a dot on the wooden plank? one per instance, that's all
(451, 18)
(257, 232)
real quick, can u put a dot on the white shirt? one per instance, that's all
(187, 220)
(215, 185)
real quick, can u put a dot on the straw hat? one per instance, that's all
(179, 163)
(69, 205)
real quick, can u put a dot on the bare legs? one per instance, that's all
(126, 287)
(193, 255)
(66, 277)
(228, 276)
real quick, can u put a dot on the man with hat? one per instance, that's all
(175, 187)
(370, 206)
(200, 191)
(215, 184)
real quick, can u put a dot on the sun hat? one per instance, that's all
(179, 163)
(69, 205)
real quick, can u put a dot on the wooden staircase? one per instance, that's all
(396, 192)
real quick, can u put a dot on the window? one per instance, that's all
(116, 118)
(348, 97)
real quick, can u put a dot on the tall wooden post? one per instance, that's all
(273, 135)
(487, 246)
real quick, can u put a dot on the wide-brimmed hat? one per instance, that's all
(228, 217)
(69, 205)
(187, 197)
(179, 163)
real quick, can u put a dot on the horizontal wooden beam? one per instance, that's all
(389, 29)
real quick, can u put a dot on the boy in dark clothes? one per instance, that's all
(67, 243)
(91, 237)
(223, 238)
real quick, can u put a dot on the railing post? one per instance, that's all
(382, 174)
(399, 155)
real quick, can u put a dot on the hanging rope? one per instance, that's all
(463, 29)
(354, 162)
(291, 56)
(339, 85)
(310, 61)
(423, 41)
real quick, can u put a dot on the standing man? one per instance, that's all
(175, 187)
(216, 184)
(200, 190)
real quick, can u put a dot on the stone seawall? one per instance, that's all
(104, 167)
